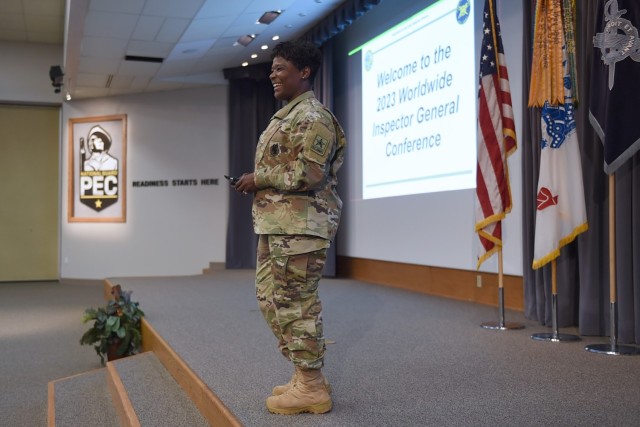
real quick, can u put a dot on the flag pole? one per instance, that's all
(612, 348)
(501, 325)
(554, 336)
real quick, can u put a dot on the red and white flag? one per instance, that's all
(496, 137)
(560, 214)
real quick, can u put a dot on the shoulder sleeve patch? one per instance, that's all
(319, 145)
(318, 142)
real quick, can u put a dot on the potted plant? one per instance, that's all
(115, 331)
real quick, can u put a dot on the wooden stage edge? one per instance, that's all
(463, 285)
(207, 402)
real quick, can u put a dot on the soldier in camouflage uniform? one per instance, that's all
(296, 212)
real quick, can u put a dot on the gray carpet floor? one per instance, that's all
(396, 358)
(40, 328)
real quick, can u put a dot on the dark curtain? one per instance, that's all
(251, 105)
(583, 266)
(323, 89)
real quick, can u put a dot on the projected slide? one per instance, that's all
(419, 104)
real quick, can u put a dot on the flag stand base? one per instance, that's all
(502, 325)
(554, 336)
(613, 348)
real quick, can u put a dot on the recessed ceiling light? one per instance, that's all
(264, 47)
(254, 55)
(269, 17)
(276, 37)
(245, 40)
(245, 63)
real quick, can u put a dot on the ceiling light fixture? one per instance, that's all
(254, 55)
(269, 17)
(276, 37)
(264, 47)
(245, 40)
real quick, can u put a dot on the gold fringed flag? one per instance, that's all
(547, 73)
(496, 137)
(560, 212)
(569, 18)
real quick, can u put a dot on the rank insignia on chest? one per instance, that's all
(320, 145)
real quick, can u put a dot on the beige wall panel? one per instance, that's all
(29, 171)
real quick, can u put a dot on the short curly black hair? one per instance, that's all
(301, 54)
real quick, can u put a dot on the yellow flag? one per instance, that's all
(546, 70)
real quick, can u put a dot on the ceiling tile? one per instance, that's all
(45, 37)
(11, 6)
(174, 68)
(97, 65)
(108, 24)
(44, 24)
(140, 82)
(214, 8)
(172, 8)
(172, 30)
(12, 22)
(209, 28)
(266, 5)
(190, 49)
(138, 68)
(14, 36)
(103, 47)
(121, 82)
(121, 6)
(150, 49)
(43, 7)
(147, 28)
(91, 80)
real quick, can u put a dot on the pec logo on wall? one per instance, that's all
(97, 159)
(98, 171)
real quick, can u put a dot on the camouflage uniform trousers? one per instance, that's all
(287, 274)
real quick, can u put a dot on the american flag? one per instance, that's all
(496, 137)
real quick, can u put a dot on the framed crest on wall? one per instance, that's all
(97, 169)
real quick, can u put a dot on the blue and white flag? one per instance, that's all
(560, 214)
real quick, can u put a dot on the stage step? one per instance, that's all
(82, 400)
(213, 267)
(133, 391)
(154, 396)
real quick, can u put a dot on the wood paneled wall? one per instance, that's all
(464, 285)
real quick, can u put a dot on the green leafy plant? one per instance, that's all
(116, 324)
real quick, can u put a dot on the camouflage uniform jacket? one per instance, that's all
(297, 158)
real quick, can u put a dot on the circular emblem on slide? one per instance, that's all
(463, 11)
(368, 60)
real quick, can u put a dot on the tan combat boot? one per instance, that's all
(308, 394)
(281, 389)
